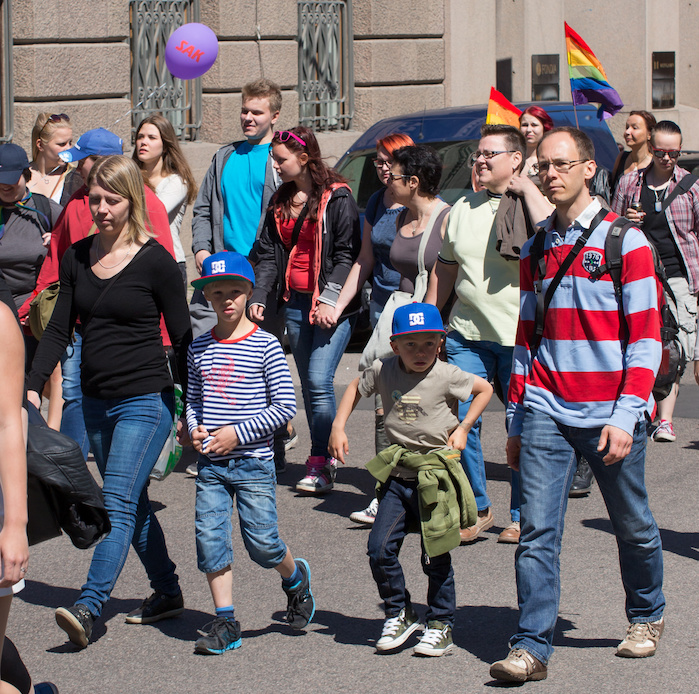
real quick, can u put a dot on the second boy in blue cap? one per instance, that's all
(239, 392)
(419, 476)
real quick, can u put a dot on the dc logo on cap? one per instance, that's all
(218, 266)
(416, 319)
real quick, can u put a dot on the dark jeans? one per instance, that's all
(398, 510)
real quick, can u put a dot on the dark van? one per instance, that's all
(454, 133)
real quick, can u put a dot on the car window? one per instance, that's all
(360, 172)
(691, 163)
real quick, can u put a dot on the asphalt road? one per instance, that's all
(335, 653)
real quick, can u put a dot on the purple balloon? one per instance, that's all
(191, 50)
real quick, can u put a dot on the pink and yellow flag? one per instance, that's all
(501, 111)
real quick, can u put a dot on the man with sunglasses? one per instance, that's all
(584, 385)
(670, 220)
(483, 322)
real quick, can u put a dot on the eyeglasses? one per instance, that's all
(284, 135)
(395, 177)
(560, 165)
(488, 155)
(382, 163)
(672, 153)
(55, 118)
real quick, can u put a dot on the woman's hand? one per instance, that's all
(520, 184)
(46, 238)
(34, 398)
(256, 313)
(324, 315)
(14, 552)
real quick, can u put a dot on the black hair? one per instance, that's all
(422, 162)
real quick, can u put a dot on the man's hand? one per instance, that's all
(199, 259)
(457, 440)
(223, 442)
(514, 446)
(324, 315)
(618, 441)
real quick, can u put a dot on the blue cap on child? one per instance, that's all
(416, 318)
(225, 265)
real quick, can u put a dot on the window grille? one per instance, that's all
(7, 95)
(153, 88)
(326, 73)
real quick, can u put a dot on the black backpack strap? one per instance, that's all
(543, 300)
(681, 188)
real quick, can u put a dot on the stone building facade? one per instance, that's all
(75, 57)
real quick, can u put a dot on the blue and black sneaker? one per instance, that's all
(224, 635)
(301, 606)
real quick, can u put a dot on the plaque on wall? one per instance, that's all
(545, 77)
(664, 80)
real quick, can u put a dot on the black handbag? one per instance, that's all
(62, 493)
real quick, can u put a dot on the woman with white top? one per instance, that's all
(167, 172)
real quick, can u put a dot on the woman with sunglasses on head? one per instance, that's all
(52, 177)
(637, 138)
(670, 220)
(167, 172)
(309, 241)
(118, 283)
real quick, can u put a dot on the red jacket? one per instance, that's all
(75, 223)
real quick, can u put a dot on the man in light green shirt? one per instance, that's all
(483, 322)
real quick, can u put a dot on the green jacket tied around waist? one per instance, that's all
(445, 496)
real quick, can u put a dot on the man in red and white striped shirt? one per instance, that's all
(586, 387)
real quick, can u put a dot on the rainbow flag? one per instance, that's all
(501, 111)
(588, 81)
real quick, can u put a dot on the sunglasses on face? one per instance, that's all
(285, 135)
(660, 153)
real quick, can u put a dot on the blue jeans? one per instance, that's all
(73, 421)
(547, 468)
(252, 482)
(398, 511)
(317, 353)
(488, 360)
(127, 435)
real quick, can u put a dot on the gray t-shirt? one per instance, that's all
(419, 407)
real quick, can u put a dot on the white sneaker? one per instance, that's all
(366, 516)
(396, 630)
(192, 470)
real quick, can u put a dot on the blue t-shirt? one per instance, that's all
(383, 231)
(242, 185)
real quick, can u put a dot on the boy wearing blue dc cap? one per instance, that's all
(421, 483)
(240, 391)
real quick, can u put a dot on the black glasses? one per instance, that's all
(488, 155)
(560, 165)
(395, 177)
(382, 163)
(660, 153)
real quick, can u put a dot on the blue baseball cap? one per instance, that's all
(417, 318)
(13, 161)
(226, 265)
(94, 143)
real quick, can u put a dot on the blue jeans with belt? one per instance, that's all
(127, 435)
(547, 469)
(317, 353)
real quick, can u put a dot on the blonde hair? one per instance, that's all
(45, 127)
(120, 174)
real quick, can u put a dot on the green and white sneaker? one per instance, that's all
(436, 640)
(396, 630)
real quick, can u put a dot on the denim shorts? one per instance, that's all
(251, 482)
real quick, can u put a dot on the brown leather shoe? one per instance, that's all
(485, 521)
(519, 666)
(510, 535)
